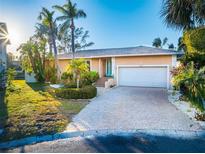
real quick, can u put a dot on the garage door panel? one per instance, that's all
(143, 76)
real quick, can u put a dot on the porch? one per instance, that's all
(105, 68)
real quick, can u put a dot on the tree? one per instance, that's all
(157, 43)
(31, 60)
(49, 25)
(181, 45)
(183, 14)
(80, 40)
(165, 40)
(78, 67)
(171, 46)
(69, 13)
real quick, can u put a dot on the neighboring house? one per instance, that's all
(4, 41)
(135, 66)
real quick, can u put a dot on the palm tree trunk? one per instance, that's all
(55, 55)
(73, 37)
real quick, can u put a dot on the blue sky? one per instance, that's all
(111, 23)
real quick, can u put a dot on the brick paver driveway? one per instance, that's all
(132, 108)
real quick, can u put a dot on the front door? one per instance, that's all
(108, 67)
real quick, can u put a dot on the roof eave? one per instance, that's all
(125, 55)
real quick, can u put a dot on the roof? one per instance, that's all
(3, 33)
(119, 52)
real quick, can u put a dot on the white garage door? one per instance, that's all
(143, 76)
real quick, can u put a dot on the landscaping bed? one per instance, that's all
(29, 111)
(185, 106)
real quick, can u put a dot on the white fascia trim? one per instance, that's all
(174, 60)
(91, 65)
(129, 55)
(167, 66)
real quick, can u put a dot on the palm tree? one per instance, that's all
(48, 25)
(44, 31)
(171, 46)
(69, 13)
(165, 40)
(157, 43)
(183, 14)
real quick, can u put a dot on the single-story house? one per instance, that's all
(134, 66)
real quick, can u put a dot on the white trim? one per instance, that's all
(125, 55)
(167, 66)
(91, 65)
(174, 60)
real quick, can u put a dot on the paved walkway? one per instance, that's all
(168, 141)
(132, 108)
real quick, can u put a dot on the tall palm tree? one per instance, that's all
(49, 25)
(183, 14)
(165, 40)
(157, 43)
(69, 13)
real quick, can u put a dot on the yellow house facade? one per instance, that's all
(134, 66)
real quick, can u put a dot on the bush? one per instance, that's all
(194, 40)
(51, 74)
(72, 85)
(86, 92)
(67, 77)
(200, 116)
(89, 77)
(191, 82)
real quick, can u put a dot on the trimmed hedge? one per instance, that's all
(86, 92)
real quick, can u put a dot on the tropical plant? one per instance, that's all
(181, 45)
(171, 46)
(78, 67)
(191, 82)
(49, 27)
(164, 42)
(11, 73)
(183, 14)
(69, 14)
(31, 59)
(89, 78)
(157, 43)
(195, 40)
(80, 40)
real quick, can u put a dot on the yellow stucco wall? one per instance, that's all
(63, 63)
(94, 65)
(144, 60)
(137, 60)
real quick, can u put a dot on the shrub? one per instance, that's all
(72, 85)
(192, 83)
(67, 77)
(86, 92)
(89, 77)
(195, 40)
(200, 116)
(51, 74)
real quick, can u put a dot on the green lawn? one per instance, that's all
(30, 110)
